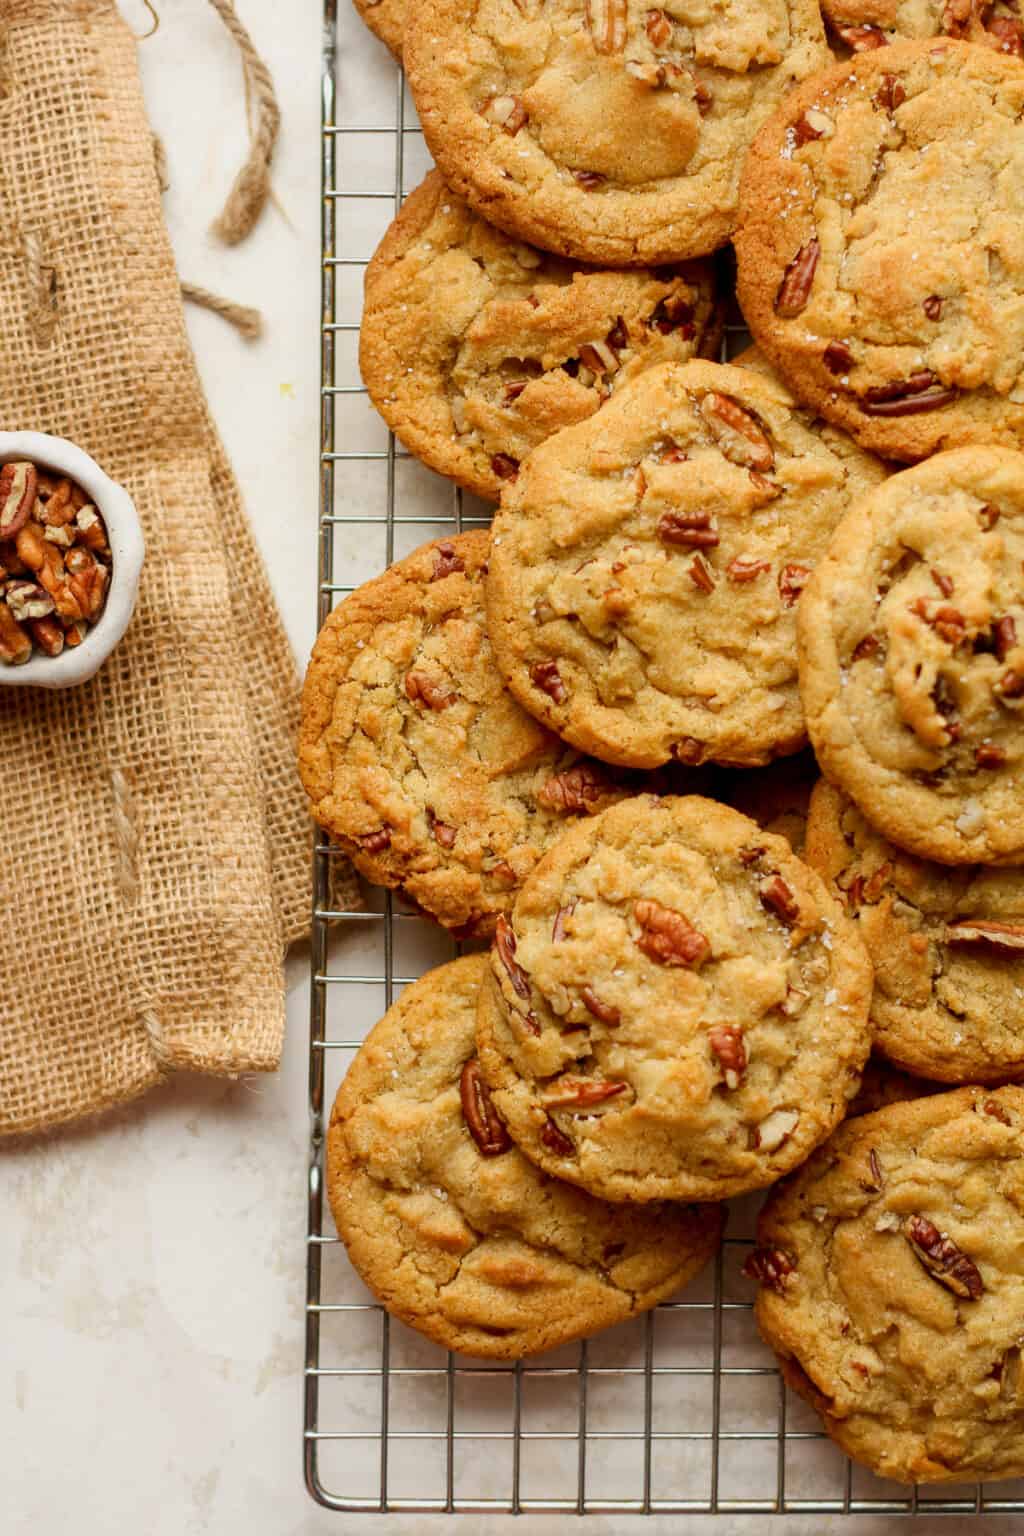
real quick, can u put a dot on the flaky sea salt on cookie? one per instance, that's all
(645, 567)
(677, 1007)
(911, 635)
(475, 347)
(605, 130)
(459, 1234)
(879, 259)
(892, 1288)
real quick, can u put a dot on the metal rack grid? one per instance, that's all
(681, 1411)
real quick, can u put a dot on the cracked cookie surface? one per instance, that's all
(645, 567)
(602, 129)
(452, 1227)
(475, 347)
(911, 636)
(947, 945)
(879, 260)
(892, 1286)
(414, 755)
(677, 1008)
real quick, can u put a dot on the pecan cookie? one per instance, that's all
(877, 250)
(677, 1008)
(646, 564)
(386, 19)
(864, 25)
(947, 946)
(911, 671)
(777, 797)
(452, 1227)
(602, 129)
(892, 1288)
(414, 755)
(475, 348)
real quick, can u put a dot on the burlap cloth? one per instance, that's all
(155, 850)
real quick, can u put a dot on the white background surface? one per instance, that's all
(151, 1267)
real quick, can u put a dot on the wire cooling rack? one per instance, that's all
(681, 1410)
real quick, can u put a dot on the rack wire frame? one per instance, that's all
(331, 1031)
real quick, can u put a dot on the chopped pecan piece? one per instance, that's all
(792, 580)
(890, 94)
(446, 561)
(688, 751)
(582, 1092)
(778, 897)
(727, 1046)
(932, 306)
(956, 16)
(701, 574)
(375, 842)
(745, 568)
(555, 1139)
(995, 1109)
(443, 833)
(606, 20)
(874, 885)
(1011, 684)
(691, 529)
(485, 1124)
(48, 635)
(28, 600)
(767, 489)
(737, 432)
(15, 643)
(508, 112)
(943, 1259)
(866, 647)
(659, 29)
(811, 125)
(794, 1003)
(505, 944)
(988, 755)
(942, 581)
(668, 937)
(422, 689)
(921, 392)
(948, 622)
(774, 1129)
(769, 1266)
(504, 466)
(875, 1181)
(862, 39)
(18, 484)
(558, 929)
(1008, 33)
(577, 789)
(599, 356)
(1005, 631)
(795, 287)
(605, 1013)
(1008, 936)
(546, 676)
(988, 515)
(748, 856)
(837, 357)
(87, 580)
(589, 180)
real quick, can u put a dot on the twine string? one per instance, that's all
(251, 188)
(247, 322)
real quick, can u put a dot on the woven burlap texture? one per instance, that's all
(155, 843)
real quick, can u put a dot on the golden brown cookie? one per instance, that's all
(878, 261)
(645, 567)
(892, 1287)
(475, 347)
(601, 129)
(414, 755)
(864, 25)
(947, 946)
(677, 1007)
(452, 1227)
(911, 635)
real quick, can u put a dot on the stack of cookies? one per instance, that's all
(582, 735)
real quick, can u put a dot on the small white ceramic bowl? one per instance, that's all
(124, 535)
